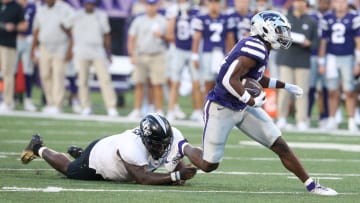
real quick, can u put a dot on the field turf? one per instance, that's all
(248, 173)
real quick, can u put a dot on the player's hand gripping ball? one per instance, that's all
(252, 86)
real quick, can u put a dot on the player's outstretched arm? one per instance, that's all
(275, 83)
(143, 176)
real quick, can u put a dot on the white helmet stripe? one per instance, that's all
(159, 120)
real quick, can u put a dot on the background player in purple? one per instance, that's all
(229, 105)
(317, 80)
(23, 52)
(179, 31)
(340, 38)
(239, 21)
(213, 29)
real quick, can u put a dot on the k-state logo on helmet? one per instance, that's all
(271, 16)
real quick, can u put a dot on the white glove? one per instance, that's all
(260, 100)
(294, 89)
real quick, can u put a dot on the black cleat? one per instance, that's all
(75, 151)
(32, 150)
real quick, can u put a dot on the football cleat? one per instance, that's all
(32, 150)
(316, 189)
(74, 151)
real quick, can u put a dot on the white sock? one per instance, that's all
(41, 151)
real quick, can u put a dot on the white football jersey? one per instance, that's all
(105, 160)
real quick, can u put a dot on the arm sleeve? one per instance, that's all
(171, 12)
(105, 25)
(133, 27)
(356, 25)
(197, 24)
(68, 17)
(36, 24)
(325, 31)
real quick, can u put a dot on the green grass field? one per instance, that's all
(248, 173)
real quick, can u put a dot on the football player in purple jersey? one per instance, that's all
(179, 31)
(240, 21)
(213, 29)
(317, 80)
(229, 105)
(339, 58)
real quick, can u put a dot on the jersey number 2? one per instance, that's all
(338, 32)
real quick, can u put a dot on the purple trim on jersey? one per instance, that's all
(206, 119)
(183, 38)
(213, 32)
(340, 34)
(180, 144)
(29, 12)
(251, 47)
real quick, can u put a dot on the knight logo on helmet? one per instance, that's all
(156, 134)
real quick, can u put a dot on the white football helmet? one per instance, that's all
(273, 27)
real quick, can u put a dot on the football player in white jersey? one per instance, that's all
(131, 156)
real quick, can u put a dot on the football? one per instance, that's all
(252, 86)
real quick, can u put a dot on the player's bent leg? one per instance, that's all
(218, 124)
(195, 155)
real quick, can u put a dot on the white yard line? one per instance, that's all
(46, 131)
(313, 145)
(60, 189)
(280, 173)
(51, 142)
(320, 178)
(302, 159)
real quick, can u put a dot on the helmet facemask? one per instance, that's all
(283, 37)
(158, 148)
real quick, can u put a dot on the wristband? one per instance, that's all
(245, 97)
(272, 83)
(194, 57)
(175, 176)
(321, 61)
(357, 56)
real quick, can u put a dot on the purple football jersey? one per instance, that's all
(340, 33)
(183, 32)
(251, 47)
(29, 12)
(213, 31)
(239, 24)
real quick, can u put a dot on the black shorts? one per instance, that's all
(79, 168)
